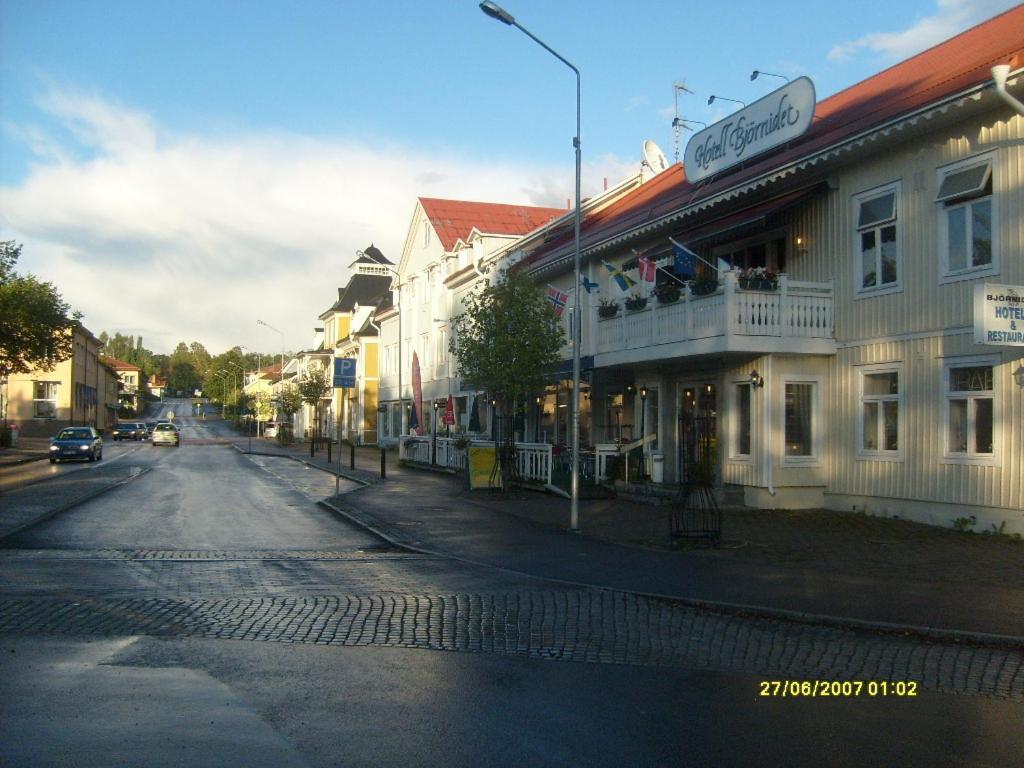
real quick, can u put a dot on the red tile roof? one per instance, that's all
(455, 219)
(939, 72)
(120, 365)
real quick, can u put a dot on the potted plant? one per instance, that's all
(462, 442)
(758, 279)
(607, 308)
(635, 302)
(703, 286)
(668, 293)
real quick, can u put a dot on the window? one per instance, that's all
(741, 434)
(800, 427)
(881, 402)
(970, 411)
(45, 399)
(425, 350)
(877, 248)
(966, 219)
(442, 345)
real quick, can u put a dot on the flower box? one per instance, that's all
(636, 303)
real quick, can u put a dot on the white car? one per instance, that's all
(270, 430)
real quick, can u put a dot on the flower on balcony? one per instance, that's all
(608, 308)
(668, 292)
(758, 279)
(703, 286)
(635, 302)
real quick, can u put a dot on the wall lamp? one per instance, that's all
(712, 98)
(643, 393)
(757, 73)
(1018, 376)
(680, 122)
(756, 380)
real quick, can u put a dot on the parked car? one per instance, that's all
(76, 443)
(270, 430)
(128, 430)
(166, 434)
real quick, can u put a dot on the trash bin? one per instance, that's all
(14, 429)
(657, 467)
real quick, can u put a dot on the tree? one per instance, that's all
(290, 402)
(36, 331)
(313, 387)
(504, 342)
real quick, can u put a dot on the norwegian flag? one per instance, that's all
(558, 300)
(647, 269)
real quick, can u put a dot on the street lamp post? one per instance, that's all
(497, 12)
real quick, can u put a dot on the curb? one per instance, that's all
(310, 464)
(72, 504)
(27, 460)
(931, 634)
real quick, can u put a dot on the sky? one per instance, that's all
(182, 170)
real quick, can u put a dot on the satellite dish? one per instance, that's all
(654, 158)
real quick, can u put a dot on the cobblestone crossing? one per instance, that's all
(570, 625)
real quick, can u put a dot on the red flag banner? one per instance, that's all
(558, 300)
(449, 412)
(647, 269)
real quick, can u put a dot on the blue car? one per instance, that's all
(76, 443)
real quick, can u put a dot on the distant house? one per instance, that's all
(81, 390)
(157, 385)
(130, 394)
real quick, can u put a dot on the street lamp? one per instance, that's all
(712, 98)
(281, 363)
(433, 455)
(497, 12)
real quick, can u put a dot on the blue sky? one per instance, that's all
(235, 150)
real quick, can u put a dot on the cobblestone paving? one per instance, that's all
(569, 625)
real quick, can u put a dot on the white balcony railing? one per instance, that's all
(533, 460)
(794, 310)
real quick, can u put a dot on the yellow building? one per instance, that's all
(81, 390)
(131, 378)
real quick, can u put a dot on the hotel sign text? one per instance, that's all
(999, 315)
(770, 121)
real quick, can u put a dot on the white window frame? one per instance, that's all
(946, 275)
(817, 422)
(860, 292)
(735, 422)
(970, 457)
(36, 400)
(880, 454)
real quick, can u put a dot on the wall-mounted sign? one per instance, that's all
(779, 117)
(999, 315)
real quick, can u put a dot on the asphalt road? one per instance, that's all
(210, 613)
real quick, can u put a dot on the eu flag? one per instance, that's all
(684, 261)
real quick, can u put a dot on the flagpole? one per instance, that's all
(697, 255)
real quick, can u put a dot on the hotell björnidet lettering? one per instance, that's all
(781, 116)
(745, 133)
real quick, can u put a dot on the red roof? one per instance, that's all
(120, 365)
(455, 219)
(939, 72)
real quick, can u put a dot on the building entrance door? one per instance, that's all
(698, 434)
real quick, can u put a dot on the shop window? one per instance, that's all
(800, 422)
(877, 244)
(970, 411)
(44, 400)
(966, 219)
(741, 433)
(881, 403)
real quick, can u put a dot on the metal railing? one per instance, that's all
(533, 461)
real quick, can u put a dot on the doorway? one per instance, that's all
(698, 433)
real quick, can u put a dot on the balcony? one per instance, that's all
(797, 317)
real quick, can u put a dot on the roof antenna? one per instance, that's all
(677, 123)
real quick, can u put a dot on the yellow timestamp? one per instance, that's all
(821, 689)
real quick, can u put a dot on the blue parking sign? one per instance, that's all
(344, 372)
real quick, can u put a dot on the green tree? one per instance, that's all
(504, 342)
(314, 387)
(290, 402)
(36, 329)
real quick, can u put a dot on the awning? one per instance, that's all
(753, 217)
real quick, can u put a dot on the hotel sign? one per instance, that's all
(770, 121)
(999, 315)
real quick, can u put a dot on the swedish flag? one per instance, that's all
(624, 281)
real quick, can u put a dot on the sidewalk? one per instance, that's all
(824, 565)
(29, 449)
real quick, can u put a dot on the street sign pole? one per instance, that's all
(337, 475)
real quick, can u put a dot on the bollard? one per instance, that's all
(329, 450)
(351, 455)
(383, 465)
(312, 444)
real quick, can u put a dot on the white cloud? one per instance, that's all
(193, 238)
(950, 18)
